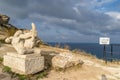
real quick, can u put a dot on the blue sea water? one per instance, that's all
(92, 48)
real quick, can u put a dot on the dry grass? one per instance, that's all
(92, 69)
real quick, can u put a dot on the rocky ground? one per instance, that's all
(92, 69)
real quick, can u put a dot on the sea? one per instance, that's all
(92, 48)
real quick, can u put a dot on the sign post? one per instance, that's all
(104, 41)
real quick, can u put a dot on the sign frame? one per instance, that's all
(104, 40)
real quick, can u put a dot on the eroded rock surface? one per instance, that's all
(24, 64)
(6, 29)
(25, 42)
(65, 60)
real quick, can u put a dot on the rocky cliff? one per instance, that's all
(6, 29)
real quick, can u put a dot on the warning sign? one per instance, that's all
(104, 40)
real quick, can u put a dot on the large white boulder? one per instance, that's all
(65, 60)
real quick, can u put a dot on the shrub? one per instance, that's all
(41, 75)
(2, 41)
(66, 47)
(58, 45)
(22, 77)
(6, 69)
(1, 59)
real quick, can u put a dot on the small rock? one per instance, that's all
(104, 77)
(4, 19)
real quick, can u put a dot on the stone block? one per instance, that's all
(65, 60)
(24, 64)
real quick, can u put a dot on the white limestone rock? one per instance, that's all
(24, 64)
(65, 60)
(25, 42)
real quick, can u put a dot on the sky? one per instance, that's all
(66, 20)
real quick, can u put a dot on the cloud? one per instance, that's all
(61, 19)
(14, 8)
(115, 15)
(73, 16)
(80, 17)
(15, 3)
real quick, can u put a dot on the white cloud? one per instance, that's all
(115, 15)
(60, 17)
(101, 2)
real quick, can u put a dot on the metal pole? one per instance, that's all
(104, 53)
(111, 53)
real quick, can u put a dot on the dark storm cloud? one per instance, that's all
(14, 8)
(15, 3)
(55, 15)
(54, 8)
(61, 13)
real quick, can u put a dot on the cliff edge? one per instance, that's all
(6, 29)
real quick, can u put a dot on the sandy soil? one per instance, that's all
(92, 69)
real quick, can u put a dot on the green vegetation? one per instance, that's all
(22, 77)
(2, 41)
(6, 69)
(11, 31)
(41, 75)
(1, 59)
(37, 76)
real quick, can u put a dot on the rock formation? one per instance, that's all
(6, 29)
(25, 41)
(4, 19)
(65, 60)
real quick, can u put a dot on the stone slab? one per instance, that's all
(24, 56)
(24, 64)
